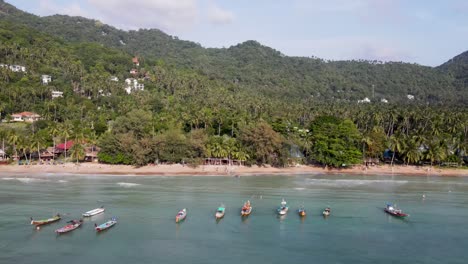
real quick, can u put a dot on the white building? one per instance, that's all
(114, 78)
(383, 100)
(57, 94)
(17, 68)
(365, 100)
(410, 97)
(132, 85)
(13, 68)
(46, 79)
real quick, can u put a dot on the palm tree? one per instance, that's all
(65, 130)
(77, 152)
(14, 138)
(54, 132)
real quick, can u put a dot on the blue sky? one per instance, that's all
(428, 32)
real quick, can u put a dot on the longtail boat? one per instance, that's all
(326, 212)
(74, 224)
(181, 215)
(246, 209)
(393, 210)
(45, 221)
(283, 208)
(106, 225)
(302, 211)
(94, 211)
(220, 212)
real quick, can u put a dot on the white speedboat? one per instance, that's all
(94, 212)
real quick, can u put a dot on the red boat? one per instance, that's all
(392, 210)
(74, 224)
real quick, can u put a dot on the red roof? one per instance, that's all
(67, 145)
(135, 60)
(25, 114)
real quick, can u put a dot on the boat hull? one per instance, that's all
(45, 222)
(105, 226)
(395, 214)
(246, 212)
(181, 215)
(219, 215)
(69, 228)
(94, 212)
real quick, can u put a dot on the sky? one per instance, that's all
(427, 32)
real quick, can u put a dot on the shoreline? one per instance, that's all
(71, 169)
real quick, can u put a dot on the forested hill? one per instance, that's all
(258, 68)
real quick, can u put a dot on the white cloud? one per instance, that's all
(373, 10)
(168, 15)
(217, 15)
(50, 7)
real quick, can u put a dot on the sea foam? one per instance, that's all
(352, 183)
(127, 184)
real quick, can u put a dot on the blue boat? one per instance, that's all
(106, 225)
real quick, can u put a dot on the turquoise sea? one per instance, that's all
(358, 231)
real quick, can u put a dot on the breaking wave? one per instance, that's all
(352, 183)
(127, 184)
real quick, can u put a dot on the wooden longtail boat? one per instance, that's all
(246, 209)
(74, 224)
(283, 209)
(106, 225)
(393, 210)
(181, 215)
(45, 221)
(220, 212)
(326, 212)
(302, 211)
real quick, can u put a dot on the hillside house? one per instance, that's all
(56, 94)
(25, 117)
(13, 68)
(134, 71)
(365, 100)
(114, 78)
(17, 68)
(135, 61)
(46, 79)
(132, 85)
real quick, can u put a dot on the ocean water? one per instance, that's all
(358, 231)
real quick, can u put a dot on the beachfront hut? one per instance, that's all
(66, 146)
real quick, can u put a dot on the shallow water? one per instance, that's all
(358, 231)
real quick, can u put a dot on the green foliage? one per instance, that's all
(247, 102)
(335, 142)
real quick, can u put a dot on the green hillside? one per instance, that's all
(254, 67)
(247, 102)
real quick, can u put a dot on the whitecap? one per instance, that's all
(352, 183)
(299, 189)
(62, 181)
(127, 184)
(8, 179)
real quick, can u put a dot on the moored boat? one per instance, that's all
(94, 211)
(393, 210)
(220, 212)
(326, 212)
(106, 225)
(302, 211)
(74, 224)
(45, 221)
(181, 215)
(283, 209)
(246, 209)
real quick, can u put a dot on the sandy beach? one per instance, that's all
(211, 170)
